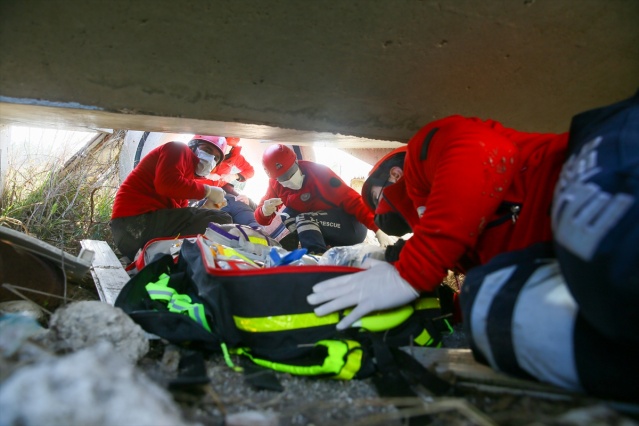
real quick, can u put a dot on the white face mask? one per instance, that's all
(206, 164)
(295, 182)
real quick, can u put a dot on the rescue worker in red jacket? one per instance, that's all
(234, 167)
(319, 206)
(152, 201)
(468, 190)
(545, 227)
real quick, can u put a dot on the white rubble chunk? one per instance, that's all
(83, 324)
(253, 418)
(23, 307)
(94, 386)
(15, 330)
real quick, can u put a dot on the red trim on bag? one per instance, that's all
(209, 264)
(139, 261)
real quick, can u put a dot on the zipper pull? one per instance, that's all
(515, 212)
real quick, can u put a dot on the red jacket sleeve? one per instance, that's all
(348, 199)
(175, 174)
(460, 183)
(246, 170)
(232, 160)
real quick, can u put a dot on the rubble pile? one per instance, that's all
(89, 363)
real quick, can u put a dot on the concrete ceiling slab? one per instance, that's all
(288, 70)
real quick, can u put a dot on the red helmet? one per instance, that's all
(232, 141)
(217, 141)
(277, 160)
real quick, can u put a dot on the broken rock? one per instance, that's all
(82, 324)
(95, 386)
(23, 307)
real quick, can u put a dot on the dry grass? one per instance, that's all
(60, 202)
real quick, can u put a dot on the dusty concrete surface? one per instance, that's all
(284, 70)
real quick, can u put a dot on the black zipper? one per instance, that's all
(510, 211)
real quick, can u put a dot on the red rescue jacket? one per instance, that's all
(233, 159)
(163, 179)
(322, 190)
(480, 188)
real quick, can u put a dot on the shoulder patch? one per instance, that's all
(335, 183)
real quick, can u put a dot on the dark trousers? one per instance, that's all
(131, 233)
(320, 229)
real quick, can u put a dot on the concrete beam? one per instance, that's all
(377, 70)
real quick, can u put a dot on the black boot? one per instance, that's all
(290, 242)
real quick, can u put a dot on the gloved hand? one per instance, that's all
(229, 177)
(214, 198)
(270, 206)
(384, 240)
(374, 289)
(214, 177)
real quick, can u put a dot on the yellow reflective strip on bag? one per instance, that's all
(163, 280)
(424, 339)
(198, 314)
(220, 250)
(312, 370)
(179, 303)
(258, 240)
(159, 292)
(451, 330)
(427, 303)
(176, 302)
(383, 320)
(377, 321)
(284, 322)
(227, 357)
(353, 355)
(342, 362)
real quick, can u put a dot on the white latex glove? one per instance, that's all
(374, 289)
(214, 198)
(270, 206)
(384, 240)
(229, 178)
(214, 177)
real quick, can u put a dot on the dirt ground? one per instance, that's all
(307, 401)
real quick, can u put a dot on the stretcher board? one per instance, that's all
(107, 271)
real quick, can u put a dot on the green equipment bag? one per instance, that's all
(262, 315)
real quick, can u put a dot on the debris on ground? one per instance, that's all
(81, 325)
(93, 386)
(95, 383)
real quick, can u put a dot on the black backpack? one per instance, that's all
(263, 315)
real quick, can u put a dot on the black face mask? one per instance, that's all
(392, 224)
